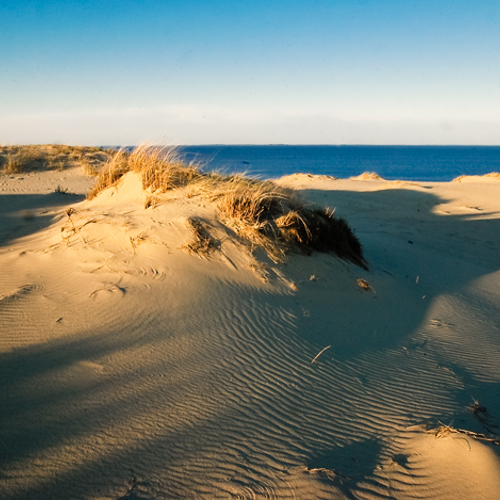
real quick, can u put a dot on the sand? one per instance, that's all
(132, 369)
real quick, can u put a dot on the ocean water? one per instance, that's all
(413, 163)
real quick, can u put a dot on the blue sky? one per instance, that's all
(250, 72)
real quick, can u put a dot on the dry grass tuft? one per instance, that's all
(151, 201)
(32, 158)
(250, 207)
(111, 173)
(91, 168)
(278, 220)
(161, 169)
(491, 175)
(202, 243)
(445, 430)
(368, 176)
(12, 164)
(262, 213)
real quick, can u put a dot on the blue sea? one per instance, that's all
(412, 163)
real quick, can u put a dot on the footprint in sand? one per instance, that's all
(107, 291)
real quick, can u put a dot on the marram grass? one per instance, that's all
(39, 157)
(262, 213)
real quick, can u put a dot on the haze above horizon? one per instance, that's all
(378, 72)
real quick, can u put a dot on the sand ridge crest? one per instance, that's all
(368, 176)
(493, 176)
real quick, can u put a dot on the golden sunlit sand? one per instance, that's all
(151, 347)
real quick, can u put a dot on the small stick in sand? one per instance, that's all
(69, 213)
(320, 353)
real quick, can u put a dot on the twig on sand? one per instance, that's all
(444, 430)
(320, 353)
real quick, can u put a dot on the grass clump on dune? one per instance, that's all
(32, 158)
(111, 173)
(202, 243)
(161, 169)
(278, 220)
(260, 212)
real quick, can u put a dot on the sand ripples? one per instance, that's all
(223, 402)
(279, 417)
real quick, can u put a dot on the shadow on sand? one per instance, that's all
(25, 214)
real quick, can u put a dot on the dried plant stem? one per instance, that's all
(320, 353)
(444, 430)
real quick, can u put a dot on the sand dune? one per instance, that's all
(133, 369)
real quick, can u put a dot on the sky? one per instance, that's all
(119, 72)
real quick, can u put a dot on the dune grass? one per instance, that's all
(260, 212)
(161, 169)
(202, 243)
(32, 158)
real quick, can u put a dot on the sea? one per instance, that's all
(410, 163)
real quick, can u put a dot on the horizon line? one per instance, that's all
(321, 145)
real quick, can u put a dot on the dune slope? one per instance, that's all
(135, 369)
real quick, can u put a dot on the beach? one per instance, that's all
(134, 368)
